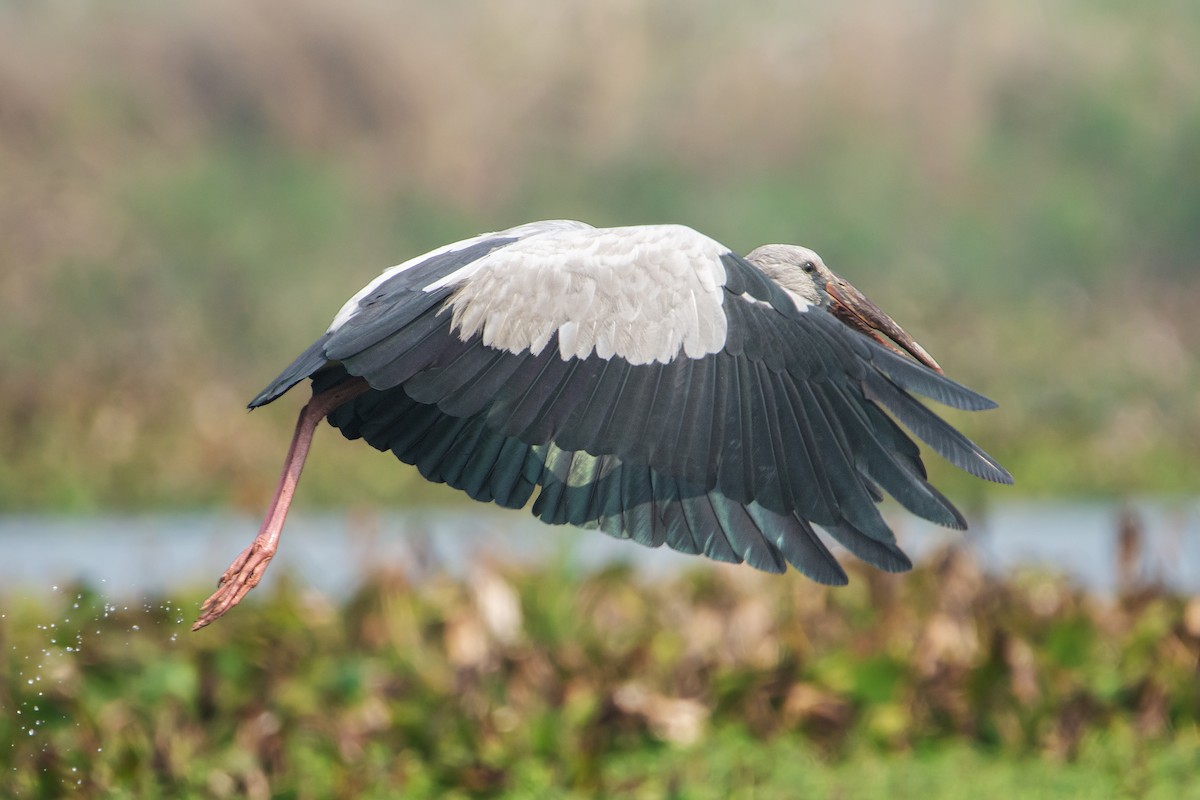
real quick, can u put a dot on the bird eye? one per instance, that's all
(808, 266)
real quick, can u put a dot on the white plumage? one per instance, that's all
(641, 294)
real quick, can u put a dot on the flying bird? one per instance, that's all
(642, 380)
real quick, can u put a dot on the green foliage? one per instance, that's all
(721, 683)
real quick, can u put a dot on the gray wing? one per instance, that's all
(733, 454)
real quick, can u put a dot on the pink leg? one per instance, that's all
(246, 571)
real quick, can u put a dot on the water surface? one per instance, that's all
(149, 554)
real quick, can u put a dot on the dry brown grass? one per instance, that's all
(191, 190)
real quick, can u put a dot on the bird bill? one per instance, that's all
(852, 307)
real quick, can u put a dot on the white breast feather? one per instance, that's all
(642, 293)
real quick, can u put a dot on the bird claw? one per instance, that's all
(242, 576)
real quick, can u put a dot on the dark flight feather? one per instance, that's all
(734, 454)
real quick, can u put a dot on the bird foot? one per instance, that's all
(242, 576)
(246, 571)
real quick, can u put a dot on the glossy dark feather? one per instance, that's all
(733, 454)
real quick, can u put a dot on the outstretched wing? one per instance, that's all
(649, 383)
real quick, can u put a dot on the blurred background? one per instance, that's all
(191, 190)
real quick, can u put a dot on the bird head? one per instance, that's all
(802, 272)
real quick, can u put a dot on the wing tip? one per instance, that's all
(989, 469)
(831, 578)
(914, 376)
(1004, 477)
(305, 365)
(273, 392)
(985, 403)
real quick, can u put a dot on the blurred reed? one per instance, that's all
(193, 190)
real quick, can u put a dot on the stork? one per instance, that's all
(642, 380)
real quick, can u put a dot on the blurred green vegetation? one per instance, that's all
(544, 683)
(192, 190)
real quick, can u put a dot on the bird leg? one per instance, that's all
(246, 571)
